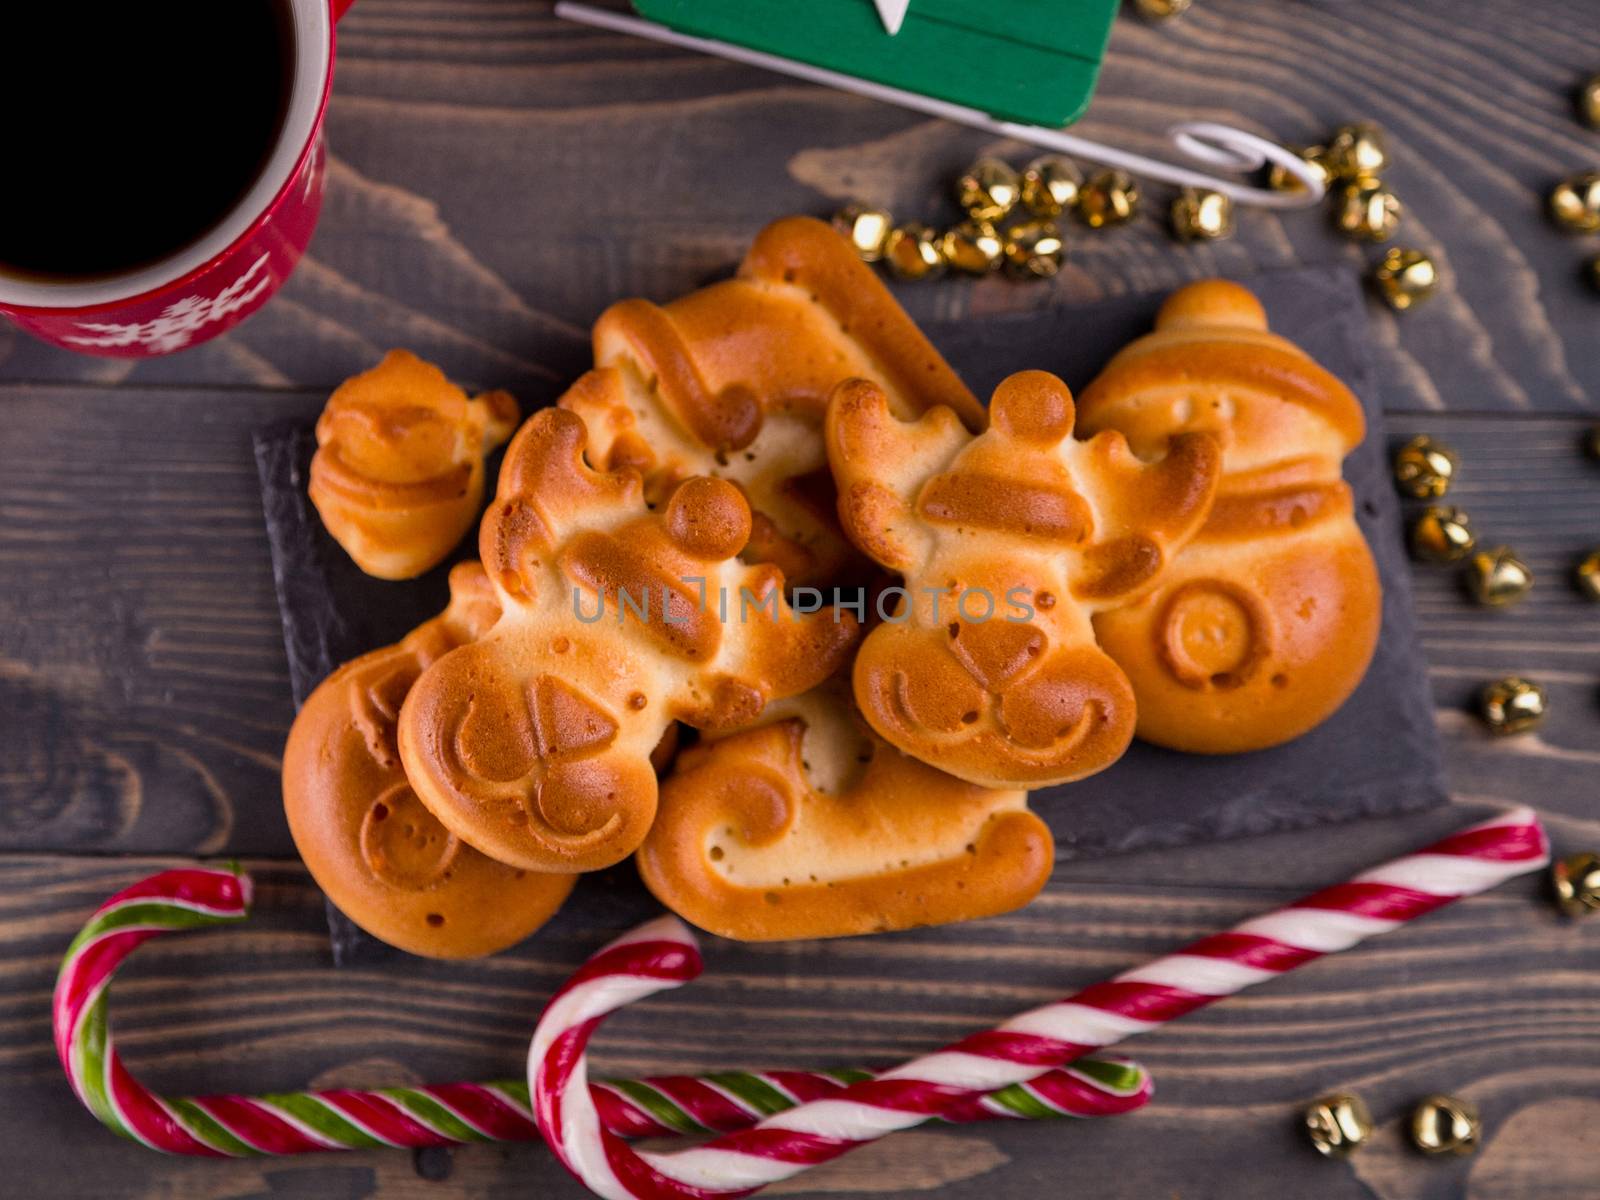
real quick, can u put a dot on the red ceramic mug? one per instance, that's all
(212, 284)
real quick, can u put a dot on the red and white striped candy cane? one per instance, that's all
(440, 1114)
(662, 955)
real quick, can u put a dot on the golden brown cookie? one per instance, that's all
(381, 857)
(534, 742)
(733, 381)
(1008, 543)
(398, 473)
(1267, 620)
(813, 826)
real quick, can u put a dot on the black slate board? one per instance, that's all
(1379, 755)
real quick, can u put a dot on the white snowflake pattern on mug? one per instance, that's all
(177, 324)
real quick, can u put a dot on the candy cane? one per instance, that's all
(663, 955)
(438, 1114)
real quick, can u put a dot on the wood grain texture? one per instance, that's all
(142, 673)
(258, 1008)
(499, 177)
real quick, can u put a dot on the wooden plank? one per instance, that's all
(499, 177)
(142, 673)
(1525, 483)
(1491, 998)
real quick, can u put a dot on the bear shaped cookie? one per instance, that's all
(733, 381)
(1008, 541)
(533, 742)
(813, 826)
(378, 854)
(398, 473)
(1267, 620)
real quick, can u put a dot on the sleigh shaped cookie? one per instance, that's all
(733, 381)
(813, 826)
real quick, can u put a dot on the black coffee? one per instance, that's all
(132, 126)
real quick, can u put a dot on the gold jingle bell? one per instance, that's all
(1202, 216)
(1512, 705)
(1315, 157)
(1161, 10)
(867, 229)
(1357, 151)
(1589, 102)
(1442, 535)
(973, 247)
(1575, 203)
(1050, 185)
(912, 251)
(1424, 469)
(1338, 1124)
(1576, 879)
(1109, 197)
(1445, 1125)
(1586, 575)
(988, 189)
(1034, 249)
(1367, 211)
(1405, 277)
(1496, 577)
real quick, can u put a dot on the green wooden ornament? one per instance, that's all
(1033, 61)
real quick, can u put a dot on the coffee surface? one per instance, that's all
(133, 128)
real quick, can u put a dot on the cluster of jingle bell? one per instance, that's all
(1365, 209)
(1575, 202)
(1339, 1123)
(1011, 220)
(1012, 217)
(1495, 577)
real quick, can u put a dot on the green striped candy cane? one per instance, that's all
(442, 1114)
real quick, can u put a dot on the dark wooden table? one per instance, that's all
(497, 179)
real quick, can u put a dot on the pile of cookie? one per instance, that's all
(774, 516)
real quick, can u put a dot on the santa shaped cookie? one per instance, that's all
(398, 474)
(1267, 620)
